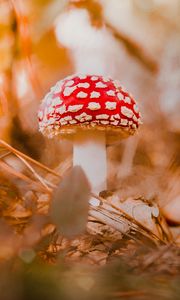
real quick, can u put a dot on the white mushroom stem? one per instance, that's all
(89, 152)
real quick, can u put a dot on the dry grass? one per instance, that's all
(121, 254)
(29, 235)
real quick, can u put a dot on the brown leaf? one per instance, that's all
(70, 203)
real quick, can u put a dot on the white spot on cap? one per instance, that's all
(57, 88)
(95, 95)
(110, 93)
(73, 122)
(130, 123)
(40, 114)
(136, 108)
(124, 122)
(135, 118)
(82, 95)
(100, 85)
(88, 118)
(50, 109)
(126, 112)
(105, 122)
(120, 96)
(103, 116)
(114, 117)
(127, 100)
(115, 123)
(61, 109)
(134, 126)
(69, 83)
(82, 76)
(85, 85)
(94, 78)
(84, 117)
(68, 118)
(94, 105)
(110, 105)
(63, 121)
(117, 83)
(74, 108)
(69, 90)
(105, 79)
(69, 77)
(51, 121)
(56, 101)
(140, 121)
(94, 123)
(45, 114)
(123, 88)
(48, 98)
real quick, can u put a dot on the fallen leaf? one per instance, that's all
(69, 209)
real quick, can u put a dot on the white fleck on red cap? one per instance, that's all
(88, 102)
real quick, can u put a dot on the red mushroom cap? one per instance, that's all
(88, 102)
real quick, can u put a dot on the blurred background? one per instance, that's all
(41, 42)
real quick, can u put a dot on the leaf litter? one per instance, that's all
(50, 224)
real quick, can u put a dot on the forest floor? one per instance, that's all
(39, 262)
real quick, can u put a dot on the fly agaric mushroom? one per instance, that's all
(90, 109)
